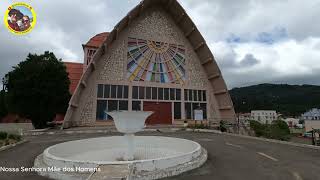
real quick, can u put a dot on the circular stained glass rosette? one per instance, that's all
(155, 61)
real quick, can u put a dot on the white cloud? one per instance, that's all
(285, 59)
(218, 19)
(290, 53)
(58, 42)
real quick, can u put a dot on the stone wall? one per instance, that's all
(154, 24)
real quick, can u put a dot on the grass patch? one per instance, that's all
(296, 131)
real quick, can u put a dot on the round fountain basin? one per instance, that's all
(151, 152)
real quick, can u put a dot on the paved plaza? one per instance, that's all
(229, 158)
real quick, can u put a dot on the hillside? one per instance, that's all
(290, 100)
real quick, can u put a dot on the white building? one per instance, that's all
(243, 118)
(313, 114)
(264, 116)
(292, 122)
(309, 125)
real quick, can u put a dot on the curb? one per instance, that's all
(204, 130)
(39, 130)
(257, 138)
(274, 141)
(166, 130)
(78, 132)
(12, 145)
(174, 130)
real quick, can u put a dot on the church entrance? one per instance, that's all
(162, 112)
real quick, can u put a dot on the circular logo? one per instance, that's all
(20, 18)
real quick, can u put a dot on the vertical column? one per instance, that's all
(85, 59)
(141, 105)
(129, 97)
(207, 108)
(209, 103)
(183, 114)
(172, 112)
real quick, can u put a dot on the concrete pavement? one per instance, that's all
(230, 157)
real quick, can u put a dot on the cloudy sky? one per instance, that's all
(254, 41)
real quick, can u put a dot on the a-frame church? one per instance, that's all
(155, 59)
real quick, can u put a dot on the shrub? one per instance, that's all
(14, 137)
(222, 126)
(258, 128)
(200, 126)
(280, 130)
(3, 135)
(277, 130)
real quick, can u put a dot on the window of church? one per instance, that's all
(166, 94)
(123, 105)
(136, 105)
(177, 110)
(178, 94)
(106, 91)
(148, 92)
(125, 92)
(113, 91)
(120, 91)
(135, 92)
(100, 90)
(141, 92)
(172, 93)
(154, 93)
(160, 93)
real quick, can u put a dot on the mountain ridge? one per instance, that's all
(289, 100)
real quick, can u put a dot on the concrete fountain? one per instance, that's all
(128, 156)
(128, 123)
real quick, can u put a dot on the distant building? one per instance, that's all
(75, 70)
(74, 73)
(309, 125)
(244, 117)
(313, 114)
(292, 122)
(264, 116)
(92, 46)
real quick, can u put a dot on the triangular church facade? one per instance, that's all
(155, 59)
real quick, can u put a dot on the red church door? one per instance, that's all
(162, 112)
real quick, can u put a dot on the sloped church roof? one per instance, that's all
(191, 32)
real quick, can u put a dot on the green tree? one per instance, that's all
(258, 128)
(38, 88)
(280, 130)
(277, 130)
(223, 126)
(3, 105)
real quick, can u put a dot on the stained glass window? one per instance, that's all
(155, 61)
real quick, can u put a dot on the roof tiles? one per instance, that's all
(75, 71)
(97, 40)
